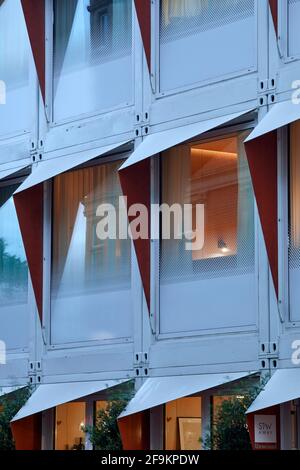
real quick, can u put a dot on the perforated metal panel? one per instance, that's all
(198, 40)
(213, 287)
(92, 55)
(294, 225)
(293, 27)
(15, 61)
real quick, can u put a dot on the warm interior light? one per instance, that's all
(222, 246)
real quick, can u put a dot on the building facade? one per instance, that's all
(164, 102)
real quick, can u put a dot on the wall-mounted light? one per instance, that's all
(223, 246)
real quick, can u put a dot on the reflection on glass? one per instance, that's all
(92, 55)
(214, 174)
(14, 67)
(209, 27)
(13, 265)
(90, 277)
(293, 27)
(201, 284)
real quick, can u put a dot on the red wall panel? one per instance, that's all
(27, 432)
(262, 160)
(34, 12)
(143, 10)
(30, 210)
(135, 431)
(136, 185)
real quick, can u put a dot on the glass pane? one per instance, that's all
(13, 275)
(69, 429)
(293, 27)
(92, 51)
(294, 245)
(15, 56)
(198, 40)
(91, 296)
(215, 176)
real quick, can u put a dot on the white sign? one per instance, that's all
(265, 429)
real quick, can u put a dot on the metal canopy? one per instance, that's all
(48, 396)
(280, 115)
(283, 386)
(159, 390)
(160, 141)
(48, 169)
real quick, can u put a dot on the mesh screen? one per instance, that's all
(91, 276)
(293, 27)
(294, 226)
(92, 50)
(15, 61)
(219, 34)
(216, 175)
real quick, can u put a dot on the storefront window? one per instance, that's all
(91, 277)
(209, 27)
(92, 50)
(13, 275)
(183, 424)
(15, 59)
(70, 425)
(202, 284)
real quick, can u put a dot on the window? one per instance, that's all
(293, 27)
(183, 424)
(202, 40)
(91, 278)
(13, 275)
(207, 286)
(14, 68)
(70, 423)
(294, 245)
(92, 50)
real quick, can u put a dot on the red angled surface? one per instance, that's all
(143, 10)
(136, 181)
(34, 12)
(134, 430)
(27, 432)
(262, 160)
(29, 206)
(274, 11)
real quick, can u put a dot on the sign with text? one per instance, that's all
(265, 431)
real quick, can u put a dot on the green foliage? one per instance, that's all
(105, 435)
(9, 406)
(229, 429)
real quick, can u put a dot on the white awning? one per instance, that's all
(48, 169)
(280, 115)
(7, 390)
(159, 390)
(12, 171)
(283, 386)
(48, 396)
(160, 141)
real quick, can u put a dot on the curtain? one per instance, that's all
(182, 9)
(81, 260)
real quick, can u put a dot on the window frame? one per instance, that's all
(48, 225)
(155, 60)
(49, 95)
(155, 312)
(283, 30)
